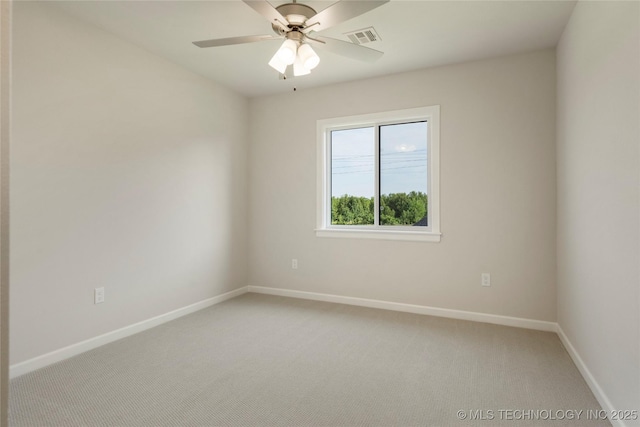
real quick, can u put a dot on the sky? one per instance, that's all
(403, 160)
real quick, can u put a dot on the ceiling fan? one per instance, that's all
(298, 24)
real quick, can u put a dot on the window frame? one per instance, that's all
(324, 228)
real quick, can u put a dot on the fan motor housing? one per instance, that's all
(295, 13)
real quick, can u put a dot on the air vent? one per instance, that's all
(366, 35)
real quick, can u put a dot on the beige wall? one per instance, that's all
(5, 104)
(598, 198)
(497, 191)
(128, 172)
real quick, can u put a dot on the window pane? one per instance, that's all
(352, 176)
(403, 174)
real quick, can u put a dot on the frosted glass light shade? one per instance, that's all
(299, 69)
(277, 64)
(287, 52)
(308, 57)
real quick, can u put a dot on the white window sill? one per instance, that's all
(419, 236)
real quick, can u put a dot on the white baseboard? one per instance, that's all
(597, 391)
(539, 325)
(75, 349)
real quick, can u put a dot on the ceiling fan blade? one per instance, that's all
(340, 12)
(233, 40)
(265, 9)
(347, 49)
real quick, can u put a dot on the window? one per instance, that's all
(378, 175)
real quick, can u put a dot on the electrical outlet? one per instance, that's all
(98, 295)
(486, 279)
(294, 264)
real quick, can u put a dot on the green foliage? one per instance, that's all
(351, 210)
(395, 209)
(402, 208)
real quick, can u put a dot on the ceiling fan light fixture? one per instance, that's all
(277, 64)
(297, 22)
(287, 52)
(299, 69)
(308, 57)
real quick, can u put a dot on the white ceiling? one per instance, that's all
(414, 34)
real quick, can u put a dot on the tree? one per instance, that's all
(351, 210)
(395, 209)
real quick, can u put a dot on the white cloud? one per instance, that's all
(405, 148)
